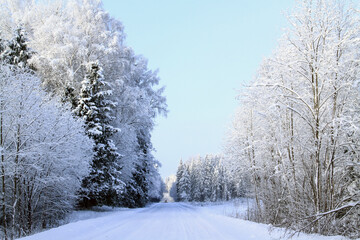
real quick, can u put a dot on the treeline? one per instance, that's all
(77, 108)
(297, 130)
(204, 179)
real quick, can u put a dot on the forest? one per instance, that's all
(77, 107)
(203, 180)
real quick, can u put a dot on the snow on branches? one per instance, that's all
(77, 58)
(296, 133)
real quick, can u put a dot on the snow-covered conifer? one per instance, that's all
(103, 185)
(179, 173)
(16, 51)
(207, 179)
(185, 185)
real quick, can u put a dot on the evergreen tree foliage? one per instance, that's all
(103, 185)
(204, 179)
(17, 52)
(139, 185)
(179, 174)
(208, 173)
(136, 189)
(185, 185)
(194, 182)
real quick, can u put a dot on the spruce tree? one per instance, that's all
(179, 174)
(142, 170)
(197, 183)
(102, 186)
(16, 51)
(185, 185)
(136, 189)
(208, 177)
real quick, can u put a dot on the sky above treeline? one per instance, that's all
(206, 51)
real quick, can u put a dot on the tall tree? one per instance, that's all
(103, 185)
(185, 185)
(179, 173)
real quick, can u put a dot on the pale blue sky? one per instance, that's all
(204, 50)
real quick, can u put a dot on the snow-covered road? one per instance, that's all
(164, 221)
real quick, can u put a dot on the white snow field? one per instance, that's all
(168, 221)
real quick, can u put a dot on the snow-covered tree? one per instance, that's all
(157, 188)
(295, 131)
(139, 103)
(37, 149)
(208, 173)
(206, 179)
(44, 153)
(195, 180)
(179, 173)
(136, 189)
(185, 185)
(103, 185)
(16, 52)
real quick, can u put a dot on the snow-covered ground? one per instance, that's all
(168, 221)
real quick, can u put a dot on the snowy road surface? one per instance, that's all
(164, 221)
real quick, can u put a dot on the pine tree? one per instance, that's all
(185, 185)
(221, 183)
(102, 186)
(17, 52)
(179, 174)
(208, 178)
(198, 184)
(193, 180)
(136, 194)
(136, 189)
(142, 169)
